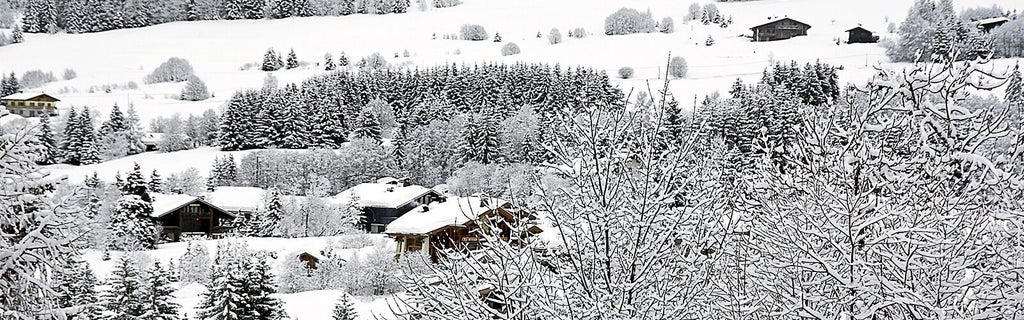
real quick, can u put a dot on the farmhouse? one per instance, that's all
(179, 214)
(30, 104)
(986, 25)
(385, 200)
(861, 35)
(453, 223)
(781, 29)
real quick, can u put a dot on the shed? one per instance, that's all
(861, 35)
(780, 29)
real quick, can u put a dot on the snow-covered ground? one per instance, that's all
(310, 305)
(218, 49)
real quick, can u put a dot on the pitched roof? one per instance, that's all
(455, 211)
(164, 204)
(236, 198)
(382, 195)
(992, 20)
(27, 95)
(779, 20)
(859, 28)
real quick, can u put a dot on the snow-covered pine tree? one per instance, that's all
(134, 134)
(75, 285)
(125, 298)
(89, 152)
(259, 285)
(343, 60)
(270, 61)
(329, 62)
(116, 122)
(156, 183)
(106, 15)
(293, 60)
(481, 141)
(267, 219)
(367, 126)
(1015, 89)
(157, 295)
(195, 90)
(191, 11)
(48, 152)
(343, 309)
(233, 9)
(11, 86)
(223, 299)
(135, 13)
(135, 184)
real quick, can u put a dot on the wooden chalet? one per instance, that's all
(30, 104)
(780, 29)
(385, 200)
(861, 35)
(180, 215)
(986, 25)
(454, 223)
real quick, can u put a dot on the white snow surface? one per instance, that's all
(455, 211)
(165, 203)
(236, 198)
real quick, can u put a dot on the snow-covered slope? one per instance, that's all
(218, 49)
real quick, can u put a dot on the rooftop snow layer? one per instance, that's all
(236, 198)
(23, 96)
(166, 203)
(456, 211)
(382, 195)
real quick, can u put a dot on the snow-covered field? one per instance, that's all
(310, 305)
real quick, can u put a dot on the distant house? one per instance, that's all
(30, 104)
(861, 35)
(452, 223)
(179, 214)
(239, 201)
(386, 200)
(781, 29)
(310, 259)
(986, 25)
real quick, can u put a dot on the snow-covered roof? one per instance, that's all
(236, 198)
(164, 204)
(992, 20)
(26, 96)
(455, 211)
(151, 137)
(382, 195)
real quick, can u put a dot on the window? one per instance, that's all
(31, 104)
(31, 113)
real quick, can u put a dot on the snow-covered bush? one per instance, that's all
(70, 74)
(677, 67)
(628, 21)
(173, 70)
(693, 11)
(195, 264)
(446, 3)
(578, 33)
(374, 61)
(667, 25)
(554, 36)
(709, 42)
(510, 49)
(188, 182)
(195, 90)
(496, 180)
(472, 32)
(36, 78)
(625, 72)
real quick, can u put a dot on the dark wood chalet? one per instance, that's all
(861, 35)
(187, 215)
(387, 200)
(986, 25)
(781, 29)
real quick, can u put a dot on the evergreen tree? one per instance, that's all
(135, 13)
(223, 300)
(125, 298)
(17, 36)
(116, 123)
(72, 142)
(344, 309)
(88, 152)
(135, 184)
(267, 220)
(156, 183)
(157, 296)
(293, 61)
(367, 126)
(343, 60)
(75, 286)
(481, 140)
(270, 61)
(131, 223)
(259, 284)
(1015, 89)
(191, 11)
(48, 147)
(195, 90)
(329, 62)
(10, 85)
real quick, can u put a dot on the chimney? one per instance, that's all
(426, 208)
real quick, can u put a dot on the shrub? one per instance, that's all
(36, 78)
(510, 49)
(195, 90)
(578, 33)
(555, 36)
(625, 72)
(173, 70)
(374, 61)
(667, 25)
(710, 41)
(70, 74)
(628, 21)
(446, 3)
(677, 67)
(472, 32)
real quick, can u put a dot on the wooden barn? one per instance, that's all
(861, 35)
(28, 104)
(780, 29)
(454, 223)
(179, 214)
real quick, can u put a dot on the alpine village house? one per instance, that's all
(179, 214)
(30, 104)
(861, 35)
(780, 29)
